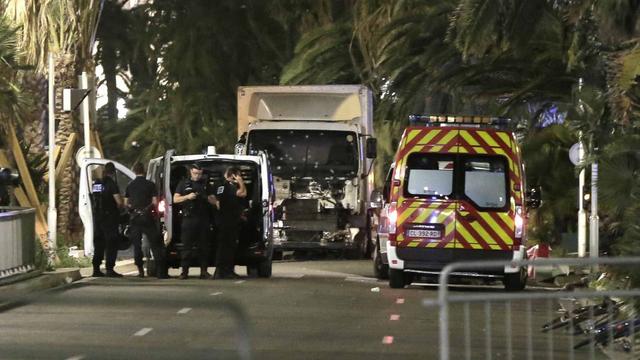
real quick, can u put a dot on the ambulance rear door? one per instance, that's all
(485, 210)
(426, 203)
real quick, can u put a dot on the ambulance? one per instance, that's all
(455, 193)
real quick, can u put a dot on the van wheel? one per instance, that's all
(252, 271)
(516, 281)
(151, 267)
(396, 279)
(265, 269)
(380, 269)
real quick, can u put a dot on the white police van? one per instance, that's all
(255, 248)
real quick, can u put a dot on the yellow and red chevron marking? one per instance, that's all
(427, 212)
(490, 230)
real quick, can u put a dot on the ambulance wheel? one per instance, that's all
(380, 269)
(516, 281)
(397, 279)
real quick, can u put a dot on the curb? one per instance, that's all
(37, 282)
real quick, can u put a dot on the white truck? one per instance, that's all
(320, 144)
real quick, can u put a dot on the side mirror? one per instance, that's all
(239, 149)
(371, 148)
(376, 199)
(534, 197)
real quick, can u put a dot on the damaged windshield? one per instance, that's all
(308, 153)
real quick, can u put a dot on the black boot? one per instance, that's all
(140, 271)
(185, 274)
(97, 272)
(204, 274)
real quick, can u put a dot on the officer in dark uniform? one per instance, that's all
(141, 200)
(4, 196)
(195, 197)
(106, 204)
(229, 196)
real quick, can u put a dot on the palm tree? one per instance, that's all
(64, 28)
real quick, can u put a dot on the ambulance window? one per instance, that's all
(386, 191)
(429, 175)
(485, 181)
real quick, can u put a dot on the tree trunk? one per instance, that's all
(66, 124)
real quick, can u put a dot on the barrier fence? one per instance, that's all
(17, 240)
(581, 323)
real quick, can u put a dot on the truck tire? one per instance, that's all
(380, 269)
(516, 281)
(396, 279)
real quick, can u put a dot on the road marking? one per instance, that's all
(394, 317)
(240, 281)
(361, 279)
(216, 293)
(131, 273)
(184, 310)
(76, 357)
(290, 276)
(400, 301)
(387, 340)
(143, 332)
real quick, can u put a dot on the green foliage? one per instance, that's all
(546, 157)
(67, 261)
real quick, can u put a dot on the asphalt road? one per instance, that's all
(308, 310)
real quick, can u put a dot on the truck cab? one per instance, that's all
(319, 142)
(255, 249)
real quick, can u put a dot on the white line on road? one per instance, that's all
(131, 273)
(361, 279)
(290, 276)
(184, 310)
(387, 340)
(216, 293)
(394, 317)
(76, 357)
(240, 281)
(143, 332)
(400, 301)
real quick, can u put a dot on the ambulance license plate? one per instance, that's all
(420, 233)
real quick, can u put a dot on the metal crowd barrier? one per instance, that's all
(538, 323)
(17, 240)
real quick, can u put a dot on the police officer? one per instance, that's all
(195, 197)
(141, 200)
(106, 202)
(4, 196)
(229, 197)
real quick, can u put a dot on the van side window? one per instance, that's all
(485, 181)
(386, 190)
(429, 175)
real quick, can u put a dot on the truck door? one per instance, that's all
(167, 195)
(90, 169)
(267, 198)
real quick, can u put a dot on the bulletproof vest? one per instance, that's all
(102, 200)
(198, 206)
